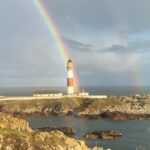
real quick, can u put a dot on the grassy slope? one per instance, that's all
(73, 103)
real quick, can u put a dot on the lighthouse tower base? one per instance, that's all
(70, 90)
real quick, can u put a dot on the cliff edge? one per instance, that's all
(114, 107)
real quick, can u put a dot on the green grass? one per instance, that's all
(73, 103)
(36, 103)
(98, 104)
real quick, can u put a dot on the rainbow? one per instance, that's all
(134, 69)
(53, 30)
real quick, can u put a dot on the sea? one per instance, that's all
(136, 134)
(109, 90)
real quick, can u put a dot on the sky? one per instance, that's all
(108, 40)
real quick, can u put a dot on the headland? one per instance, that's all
(113, 107)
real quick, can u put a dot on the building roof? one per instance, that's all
(46, 92)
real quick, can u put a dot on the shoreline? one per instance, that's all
(113, 107)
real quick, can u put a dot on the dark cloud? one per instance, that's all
(138, 46)
(117, 49)
(78, 46)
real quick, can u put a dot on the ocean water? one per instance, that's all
(136, 134)
(27, 91)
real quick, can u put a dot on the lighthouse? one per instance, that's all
(70, 78)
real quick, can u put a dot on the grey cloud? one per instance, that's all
(118, 49)
(140, 45)
(132, 47)
(96, 73)
(78, 46)
(102, 14)
(84, 14)
(28, 58)
(20, 18)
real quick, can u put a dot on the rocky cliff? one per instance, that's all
(119, 108)
(129, 107)
(15, 134)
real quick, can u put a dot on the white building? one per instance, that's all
(83, 93)
(47, 93)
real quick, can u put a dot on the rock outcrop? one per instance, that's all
(127, 107)
(65, 130)
(15, 134)
(58, 107)
(9, 122)
(124, 116)
(53, 140)
(103, 135)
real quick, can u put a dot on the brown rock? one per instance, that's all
(124, 116)
(103, 135)
(65, 130)
(9, 122)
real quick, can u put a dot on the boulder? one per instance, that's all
(65, 130)
(9, 122)
(108, 134)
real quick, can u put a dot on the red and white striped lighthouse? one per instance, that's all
(70, 78)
